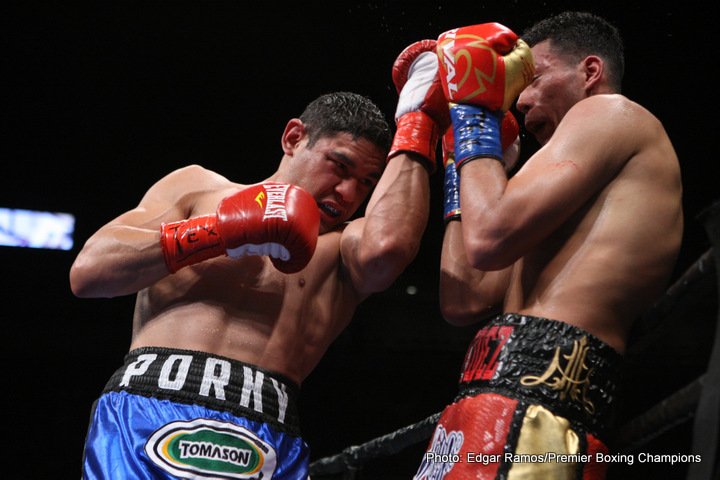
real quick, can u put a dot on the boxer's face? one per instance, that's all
(340, 172)
(556, 87)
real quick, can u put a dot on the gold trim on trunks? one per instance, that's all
(543, 433)
(572, 379)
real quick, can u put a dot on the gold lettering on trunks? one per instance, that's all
(572, 379)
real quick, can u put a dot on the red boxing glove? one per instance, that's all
(510, 140)
(274, 219)
(486, 65)
(483, 68)
(509, 131)
(422, 111)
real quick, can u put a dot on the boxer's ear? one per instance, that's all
(593, 68)
(294, 133)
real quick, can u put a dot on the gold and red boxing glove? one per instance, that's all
(483, 68)
(274, 219)
(422, 112)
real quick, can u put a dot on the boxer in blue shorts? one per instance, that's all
(241, 288)
(175, 413)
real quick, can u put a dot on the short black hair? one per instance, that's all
(337, 112)
(579, 34)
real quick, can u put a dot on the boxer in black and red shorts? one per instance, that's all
(536, 398)
(586, 231)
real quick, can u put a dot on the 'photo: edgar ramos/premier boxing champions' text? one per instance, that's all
(550, 457)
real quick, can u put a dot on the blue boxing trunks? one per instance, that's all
(168, 414)
(535, 401)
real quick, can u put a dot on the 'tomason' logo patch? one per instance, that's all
(207, 448)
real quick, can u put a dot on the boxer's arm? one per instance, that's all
(467, 295)
(273, 219)
(504, 219)
(377, 247)
(156, 238)
(125, 255)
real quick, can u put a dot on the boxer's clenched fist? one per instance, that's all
(274, 219)
(422, 111)
(483, 68)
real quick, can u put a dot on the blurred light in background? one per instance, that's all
(34, 229)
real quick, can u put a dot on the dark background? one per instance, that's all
(102, 99)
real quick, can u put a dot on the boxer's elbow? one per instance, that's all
(384, 263)
(461, 305)
(464, 318)
(86, 280)
(81, 283)
(488, 252)
(457, 315)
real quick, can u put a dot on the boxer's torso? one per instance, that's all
(245, 309)
(613, 257)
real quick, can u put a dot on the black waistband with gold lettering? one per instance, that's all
(212, 381)
(544, 361)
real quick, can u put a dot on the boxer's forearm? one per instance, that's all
(378, 247)
(118, 260)
(398, 209)
(467, 295)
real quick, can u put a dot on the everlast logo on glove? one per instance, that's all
(275, 207)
